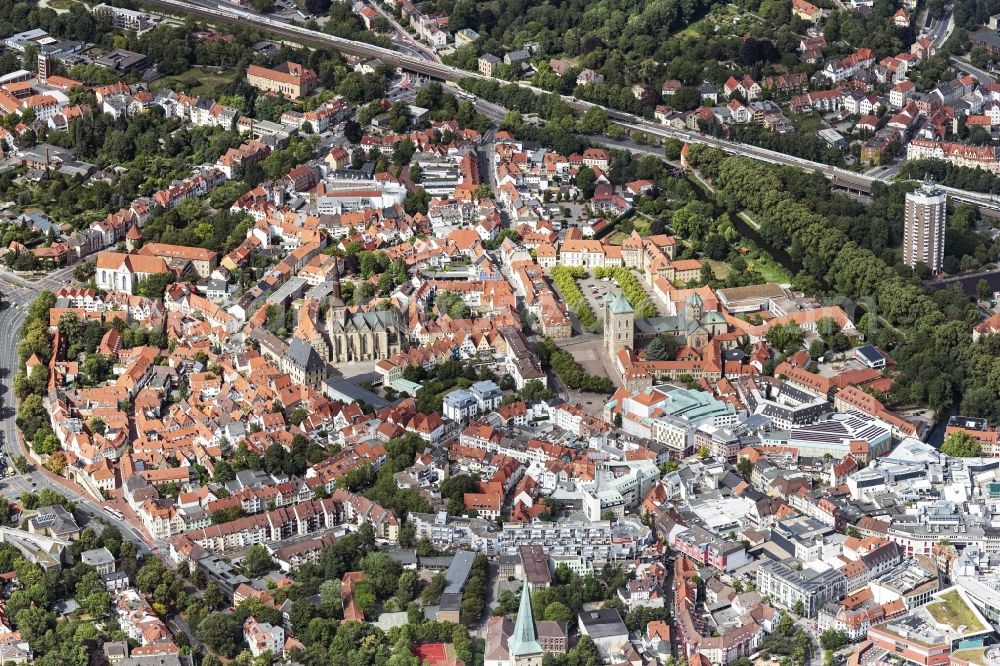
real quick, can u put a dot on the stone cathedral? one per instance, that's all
(359, 336)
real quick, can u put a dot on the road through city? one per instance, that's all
(17, 294)
(208, 9)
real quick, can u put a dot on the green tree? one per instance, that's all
(358, 643)
(34, 383)
(96, 604)
(983, 290)
(716, 247)
(364, 596)
(833, 639)
(155, 285)
(221, 632)
(432, 593)
(406, 589)
(35, 341)
(586, 181)
(535, 390)
(96, 425)
(663, 348)
(212, 596)
(585, 653)
(593, 121)
(961, 445)
(979, 57)
(330, 596)
(32, 417)
(506, 604)
(34, 623)
(227, 514)
(408, 535)
(382, 572)
(693, 220)
(417, 201)
(455, 487)
(785, 337)
(70, 326)
(223, 472)
(257, 561)
(745, 468)
(558, 612)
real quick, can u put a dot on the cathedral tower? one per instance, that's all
(694, 308)
(619, 324)
(336, 302)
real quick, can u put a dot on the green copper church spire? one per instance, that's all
(523, 641)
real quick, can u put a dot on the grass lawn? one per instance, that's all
(616, 238)
(770, 269)
(763, 262)
(207, 80)
(972, 655)
(62, 4)
(641, 224)
(720, 268)
(952, 611)
(809, 123)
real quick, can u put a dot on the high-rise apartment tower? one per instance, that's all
(923, 230)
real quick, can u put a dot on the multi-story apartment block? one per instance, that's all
(923, 227)
(790, 584)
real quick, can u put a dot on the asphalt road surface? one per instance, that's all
(17, 295)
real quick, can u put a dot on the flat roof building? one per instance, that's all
(121, 60)
(927, 636)
(605, 628)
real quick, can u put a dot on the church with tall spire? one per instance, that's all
(347, 336)
(522, 641)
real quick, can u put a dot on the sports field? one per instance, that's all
(435, 654)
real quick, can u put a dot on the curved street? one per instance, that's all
(17, 296)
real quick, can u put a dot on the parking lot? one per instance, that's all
(594, 291)
(290, 11)
(570, 213)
